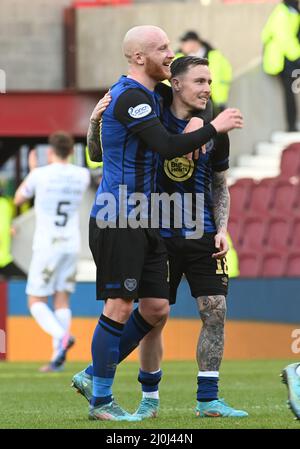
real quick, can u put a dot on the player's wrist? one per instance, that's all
(215, 124)
(94, 121)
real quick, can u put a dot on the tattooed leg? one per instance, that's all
(210, 346)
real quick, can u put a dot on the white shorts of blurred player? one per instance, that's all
(51, 272)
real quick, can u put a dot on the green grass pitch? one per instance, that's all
(30, 399)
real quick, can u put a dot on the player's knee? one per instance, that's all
(221, 307)
(155, 313)
(212, 308)
(118, 309)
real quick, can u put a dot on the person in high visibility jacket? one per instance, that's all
(281, 53)
(6, 213)
(192, 45)
(7, 266)
(95, 168)
(232, 259)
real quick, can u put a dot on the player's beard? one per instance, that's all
(156, 71)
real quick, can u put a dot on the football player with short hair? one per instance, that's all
(201, 258)
(58, 189)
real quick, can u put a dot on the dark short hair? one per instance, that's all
(181, 65)
(62, 143)
(190, 36)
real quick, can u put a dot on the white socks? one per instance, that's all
(208, 373)
(64, 317)
(151, 394)
(46, 319)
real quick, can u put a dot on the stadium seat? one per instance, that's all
(293, 264)
(261, 196)
(285, 196)
(239, 195)
(273, 264)
(249, 264)
(234, 229)
(290, 161)
(253, 233)
(278, 233)
(295, 235)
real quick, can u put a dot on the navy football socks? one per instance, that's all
(105, 352)
(134, 331)
(207, 388)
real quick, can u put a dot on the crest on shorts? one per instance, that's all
(130, 284)
(179, 169)
(224, 281)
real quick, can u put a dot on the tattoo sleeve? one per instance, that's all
(221, 199)
(93, 141)
(211, 341)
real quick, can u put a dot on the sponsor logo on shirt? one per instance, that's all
(179, 169)
(139, 111)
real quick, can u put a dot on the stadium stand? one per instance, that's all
(235, 228)
(240, 193)
(278, 233)
(261, 196)
(273, 264)
(249, 263)
(265, 220)
(293, 264)
(290, 161)
(253, 233)
(284, 197)
(295, 236)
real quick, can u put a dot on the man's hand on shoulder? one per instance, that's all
(100, 107)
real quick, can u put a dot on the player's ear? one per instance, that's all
(175, 83)
(139, 58)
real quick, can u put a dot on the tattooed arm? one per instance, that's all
(221, 204)
(93, 141)
(93, 135)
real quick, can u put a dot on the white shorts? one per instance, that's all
(51, 272)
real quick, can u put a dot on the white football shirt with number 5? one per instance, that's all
(58, 190)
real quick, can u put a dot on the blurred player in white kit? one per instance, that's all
(58, 189)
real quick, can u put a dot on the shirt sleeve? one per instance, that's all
(166, 93)
(29, 186)
(220, 156)
(135, 110)
(87, 178)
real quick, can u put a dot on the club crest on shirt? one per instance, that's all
(130, 284)
(179, 169)
(139, 111)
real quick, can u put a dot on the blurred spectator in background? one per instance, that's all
(58, 189)
(7, 266)
(232, 259)
(281, 55)
(96, 170)
(192, 45)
